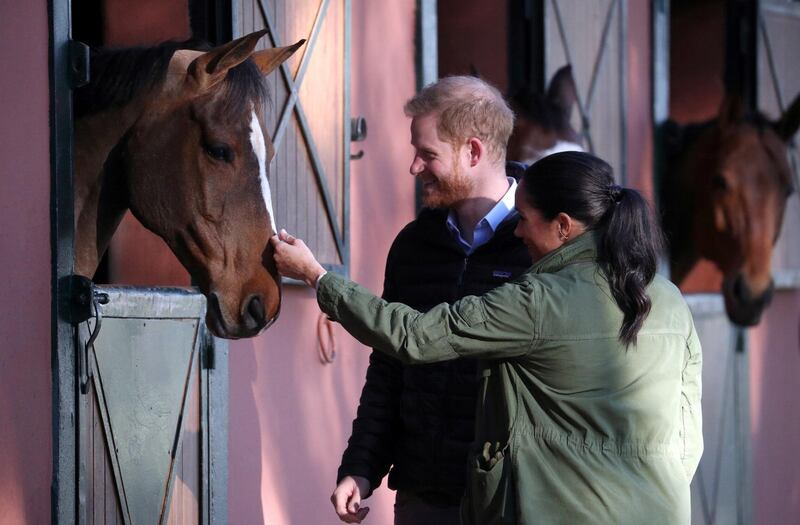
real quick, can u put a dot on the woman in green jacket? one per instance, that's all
(590, 404)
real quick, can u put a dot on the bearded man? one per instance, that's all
(416, 423)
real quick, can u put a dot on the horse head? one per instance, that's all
(195, 166)
(542, 125)
(741, 183)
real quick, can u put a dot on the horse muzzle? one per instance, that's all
(743, 307)
(254, 317)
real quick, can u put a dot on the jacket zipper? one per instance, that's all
(460, 281)
(448, 378)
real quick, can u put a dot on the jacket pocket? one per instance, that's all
(490, 498)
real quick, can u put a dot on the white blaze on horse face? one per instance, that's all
(260, 149)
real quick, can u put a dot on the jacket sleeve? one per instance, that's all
(496, 325)
(369, 451)
(691, 413)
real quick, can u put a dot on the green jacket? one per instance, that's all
(572, 427)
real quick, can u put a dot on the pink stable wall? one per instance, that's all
(25, 380)
(290, 416)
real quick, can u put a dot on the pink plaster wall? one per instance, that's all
(25, 380)
(290, 416)
(774, 348)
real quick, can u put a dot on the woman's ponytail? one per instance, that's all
(628, 251)
(629, 241)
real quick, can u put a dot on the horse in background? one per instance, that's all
(542, 125)
(723, 195)
(174, 135)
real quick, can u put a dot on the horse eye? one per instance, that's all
(718, 182)
(219, 152)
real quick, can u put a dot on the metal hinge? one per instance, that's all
(78, 64)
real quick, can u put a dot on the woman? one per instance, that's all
(590, 403)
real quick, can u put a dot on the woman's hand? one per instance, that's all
(295, 260)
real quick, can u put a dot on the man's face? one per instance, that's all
(439, 165)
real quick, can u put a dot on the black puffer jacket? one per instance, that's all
(419, 420)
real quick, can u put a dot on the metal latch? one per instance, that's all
(85, 304)
(358, 132)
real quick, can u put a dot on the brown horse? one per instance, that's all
(723, 197)
(174, 135)
(542, 125)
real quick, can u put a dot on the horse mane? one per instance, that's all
(119, 75)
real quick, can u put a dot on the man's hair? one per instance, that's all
(466, 107)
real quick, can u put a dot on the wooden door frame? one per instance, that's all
(64, 474)
(426, 61)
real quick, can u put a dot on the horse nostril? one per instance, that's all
(255, 315)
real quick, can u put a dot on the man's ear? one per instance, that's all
(476, 150)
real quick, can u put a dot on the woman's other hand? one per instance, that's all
(295, 260)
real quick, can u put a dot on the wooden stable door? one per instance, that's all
(309, 118)
(591, 35)
(149, 433)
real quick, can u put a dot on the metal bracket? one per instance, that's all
(81, 295)
(208, 350)
(79, 69)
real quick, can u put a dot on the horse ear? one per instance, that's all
(731, 110)
(268, 60)
(562, 91)
(789, 121)
(211, 67)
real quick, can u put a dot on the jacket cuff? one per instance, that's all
(364, 472)
(330, 289)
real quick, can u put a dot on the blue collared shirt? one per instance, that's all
(486, 227)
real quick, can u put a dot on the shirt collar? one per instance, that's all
(500, 211)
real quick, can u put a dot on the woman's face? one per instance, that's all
(539, 235)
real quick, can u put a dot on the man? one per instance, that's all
(419, 420)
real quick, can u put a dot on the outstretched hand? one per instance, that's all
(295, 260)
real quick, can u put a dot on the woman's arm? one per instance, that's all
(496, 325)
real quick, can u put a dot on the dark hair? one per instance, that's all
(582, 186)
